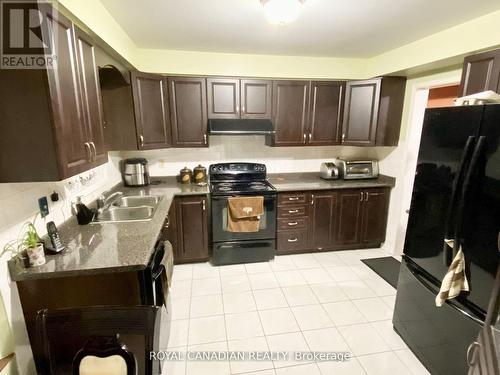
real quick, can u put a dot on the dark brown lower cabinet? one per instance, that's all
(350, 206)
(323, 215)
(374, 218)
(332, 220)
(187, 228)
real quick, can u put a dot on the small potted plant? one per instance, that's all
(34, 246)
(28, 249)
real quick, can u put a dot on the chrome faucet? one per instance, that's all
(104, 200)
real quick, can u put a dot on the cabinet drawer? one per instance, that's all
(289, 224)
(292, 240)
(292, 211)
(292, 198)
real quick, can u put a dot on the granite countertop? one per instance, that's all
(311, 181)
(102, 248)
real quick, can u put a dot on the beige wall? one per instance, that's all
(432, 51)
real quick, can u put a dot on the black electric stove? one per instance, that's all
(241, 179)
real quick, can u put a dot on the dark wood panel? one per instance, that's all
(375, 211)
(92, 105)
(74, 151)
(192, 227)
(361, 113)
(256, 99)
(292, 241)
(152, 119)
(390, 112)
(325, 118)
(290, 112)
(188, 104)
(122, 289)
(323, 213)
(293, 198)
(481, 72)
(223, 98)
(349, 216)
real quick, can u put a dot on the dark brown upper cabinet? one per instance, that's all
(91, 97)
(152, 115)
(239, 98)
(290, 110)
(307, 113)
(372, 112)
(223, 98)
(256, 98)
(188, 111)
(51, 118)
(325, 116)
(481, 72)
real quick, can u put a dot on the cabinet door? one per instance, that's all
(323, 215)
(73, 149)
(349, 217)
(290, 110)
(223, 98)
(171, 231)
(188, 111)
(325, 113)
(374, 221)
(361, 113)
(151, 110)
(256, 99)
(481, 72)
(192, 228)
(92, 105)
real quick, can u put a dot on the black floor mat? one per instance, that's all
(386, 267)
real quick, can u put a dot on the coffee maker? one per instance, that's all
(136, 172)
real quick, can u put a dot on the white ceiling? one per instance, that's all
(337, 28)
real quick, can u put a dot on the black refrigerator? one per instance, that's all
(456, 195)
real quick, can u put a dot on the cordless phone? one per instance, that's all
(55, 241)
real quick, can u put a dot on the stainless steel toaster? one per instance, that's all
(357, 169)
(329, 171)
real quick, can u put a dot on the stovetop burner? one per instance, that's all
(253, 187)
(239, 178)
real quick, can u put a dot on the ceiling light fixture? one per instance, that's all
(281, 12)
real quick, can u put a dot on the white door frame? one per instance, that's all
(420, 93)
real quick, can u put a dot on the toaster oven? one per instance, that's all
(357, 169)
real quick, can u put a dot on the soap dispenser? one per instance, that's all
(84, 215)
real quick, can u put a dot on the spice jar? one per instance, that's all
(200, 175)
(186, 175)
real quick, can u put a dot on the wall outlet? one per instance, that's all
(44, 206)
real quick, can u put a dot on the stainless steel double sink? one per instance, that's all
(131, 208)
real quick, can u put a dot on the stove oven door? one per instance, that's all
(267, 227)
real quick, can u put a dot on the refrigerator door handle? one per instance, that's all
(465, 187)
(456, 183)
(433, 290)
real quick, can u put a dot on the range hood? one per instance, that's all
(240, 127)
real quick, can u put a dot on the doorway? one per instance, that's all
(426, 93)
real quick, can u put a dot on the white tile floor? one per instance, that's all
(325, 302)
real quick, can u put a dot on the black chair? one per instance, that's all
(68, 335)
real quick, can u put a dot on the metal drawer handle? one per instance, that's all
(92, 144)
(293, 223)
(293, 211)
(293, 198)
(292, 239)
(141, 138)
(89, 151)
(167, 222)
(471, 350)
